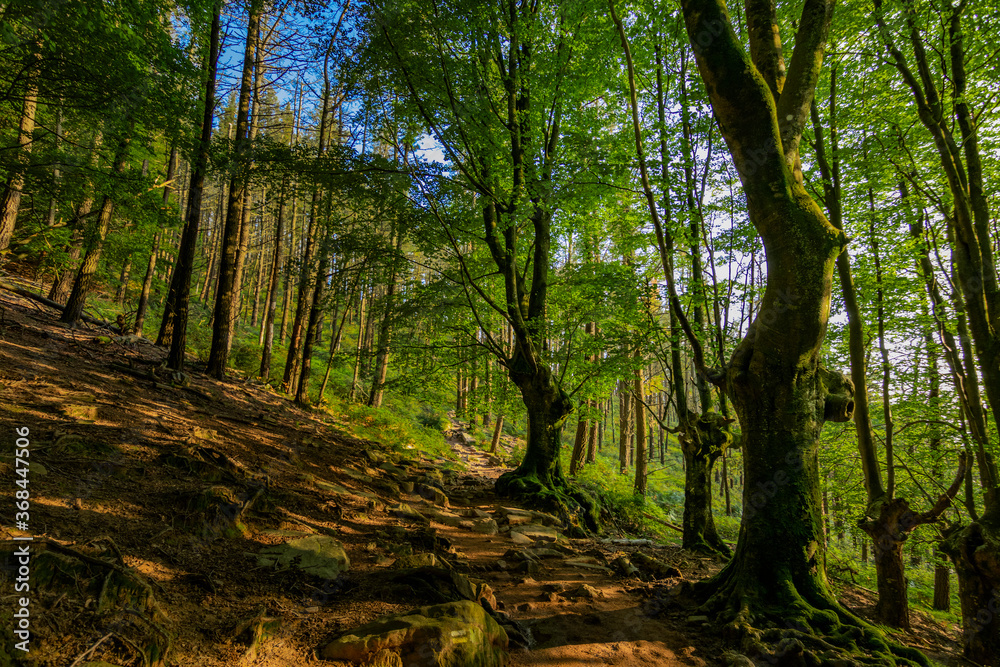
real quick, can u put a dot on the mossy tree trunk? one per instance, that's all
(782, 397)
(703, 439)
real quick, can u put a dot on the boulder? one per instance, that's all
(318, 555)
(447, 635)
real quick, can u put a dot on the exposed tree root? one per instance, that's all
(782, 622)
(571, 503)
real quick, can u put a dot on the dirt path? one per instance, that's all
(578, 611)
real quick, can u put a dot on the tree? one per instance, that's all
(226, 295)
(974, 548)
(781, 393)
(496, 106)
(178, 297)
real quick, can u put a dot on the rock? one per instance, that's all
(441, 516)
(516, 517)
(355, 474)
(318, 555)
(485, 527)
(537, 532)
(373, 456)
(467, 439)
(733, 659)
(474, 513)
(529, 567)
(436, 584)
(495, 461)
(416, 560)
(541, 552)
(697, 619)
(339, 490)
(583, 591)
(518, 538)
(454, 633)
(404, 511)
(406, 487)
(433, 494)
(525, 606)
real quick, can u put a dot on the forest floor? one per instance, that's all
(155, 494)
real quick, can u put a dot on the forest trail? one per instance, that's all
(580, 612)
(160, 505)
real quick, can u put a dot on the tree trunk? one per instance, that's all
(300, 384)
(272, 290)
(10, 202)
(309, 268)
(576, 458)
(640, 433)
(942, 582)
(362, 314)
(88, 268)
(703, 439)
(781, 395)
(147, 281)
(176, 309)
(497, 430)
(624, 416)
(64, 283)
(385, 331)
(226, 296)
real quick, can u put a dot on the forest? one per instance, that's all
(718, 280)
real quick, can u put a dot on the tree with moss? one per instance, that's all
(773, 596)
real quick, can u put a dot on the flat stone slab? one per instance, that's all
(455, 633)
(537, 532)
(318, 555)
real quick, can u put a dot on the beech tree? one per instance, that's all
(496, 105)
(781, 393)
